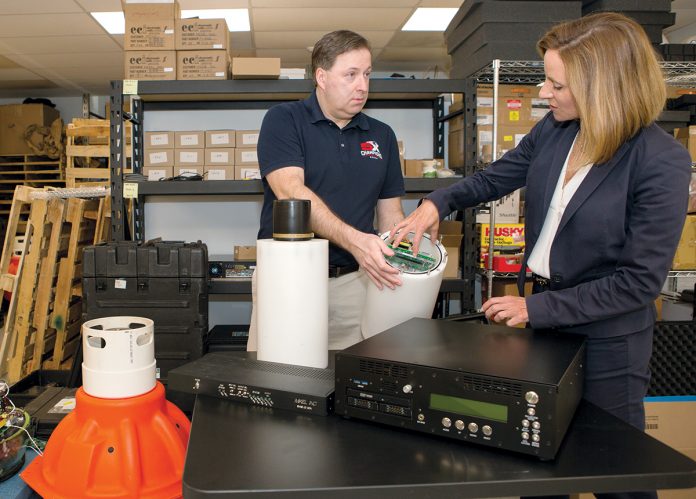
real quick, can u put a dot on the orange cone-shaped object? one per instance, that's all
(114, 448)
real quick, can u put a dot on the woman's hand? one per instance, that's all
(510, 310)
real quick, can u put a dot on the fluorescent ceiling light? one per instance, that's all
(429, 19)
(112, 22)
(237, 19)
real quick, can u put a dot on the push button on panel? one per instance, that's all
(446, 422)
(459, 424)
(473, 427)
(531, 397)
(487, 430)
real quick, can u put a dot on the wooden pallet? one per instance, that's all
(42, 328)
(88, 152)
(66, 316)
(15, 245)
(36, 288)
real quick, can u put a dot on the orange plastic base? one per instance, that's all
(114, 448)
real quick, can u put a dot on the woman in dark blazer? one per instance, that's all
(606, 199)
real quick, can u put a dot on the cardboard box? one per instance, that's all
(202, 34)
(254, 68)
(189, 157)
(247, 172)
(218, 172)
(155, 173)
(687, 138)
(672, 421)
(685, 256)
(451, 238)
(246, 138)
(16, 118)
(188, 170)
(507, 210)
(189, 140)
(246, 156)
(150, 65)
(159, 140)
(219, 156)
(150, 26)
(416, 167)
(508, 287)
(220, 138)
(202, 64)
(508, 138)
(158, 157)
(244, 253)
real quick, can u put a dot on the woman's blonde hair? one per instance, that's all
(614, 76)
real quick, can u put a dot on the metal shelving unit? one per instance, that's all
(532, 73)
(252, 94)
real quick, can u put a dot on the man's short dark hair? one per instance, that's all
(333, 44)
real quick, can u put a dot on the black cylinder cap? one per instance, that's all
(291, 220)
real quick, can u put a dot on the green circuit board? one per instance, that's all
(405, 260)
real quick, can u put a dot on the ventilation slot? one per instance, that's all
(492, 385)
(383, 369)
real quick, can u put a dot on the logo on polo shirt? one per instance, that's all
(370, 149)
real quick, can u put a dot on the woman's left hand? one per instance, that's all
(511, 310)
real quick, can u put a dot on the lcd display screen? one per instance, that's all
(468, 407)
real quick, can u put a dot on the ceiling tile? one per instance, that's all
(86, 60)
(303, 39)
(334, 4)
(214, 4)
(15, 74)
(417, 39)
(7, 63)
(321, 19)
(49, 25)
(59, 44)
(288, 57)
(33, 6)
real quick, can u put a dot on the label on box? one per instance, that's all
(120, 284)
(250, 173)
(484, 119)
(484, 101)
(156, 174)
(160, 139)
(485, 137)
(188, 157)
(158, 157)
(504, 235)
(189, 140)
(219, 139)
(513, 104)
(216, 174)
(219, 157)
(249, 156)
(183, 171)
(250, 139)
(168, 70)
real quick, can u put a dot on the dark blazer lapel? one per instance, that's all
(559, 156)
(594, 177)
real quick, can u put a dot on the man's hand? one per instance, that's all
(510, 310)
(369, 250)
(425, 218)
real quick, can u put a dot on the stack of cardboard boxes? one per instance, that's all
(159, 45)
(214, 154)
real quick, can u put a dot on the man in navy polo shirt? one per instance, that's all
(347, 164)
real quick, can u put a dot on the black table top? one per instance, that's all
(238, 450)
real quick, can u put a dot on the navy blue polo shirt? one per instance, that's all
(350, 169)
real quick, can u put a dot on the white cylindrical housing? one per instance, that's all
(118, 357)
(293, 302)
(415, 297)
